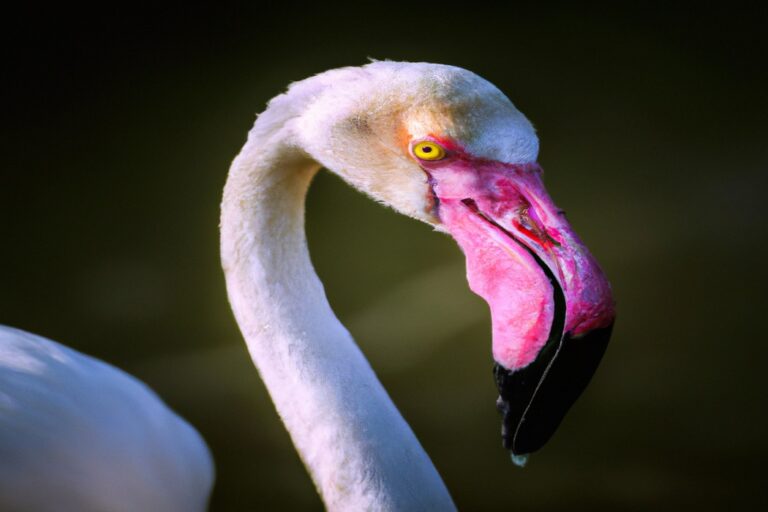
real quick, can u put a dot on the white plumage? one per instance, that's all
(77, 434)
(361, 453)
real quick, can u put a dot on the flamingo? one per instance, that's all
(434, 142)
(444, 146)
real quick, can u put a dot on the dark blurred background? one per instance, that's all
(118, 128)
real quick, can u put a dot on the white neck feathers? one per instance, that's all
(361, 453)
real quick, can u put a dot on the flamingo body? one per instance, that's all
(77, 434)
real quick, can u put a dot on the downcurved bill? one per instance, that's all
(551, 305)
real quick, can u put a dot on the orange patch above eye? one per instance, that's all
(428, 150)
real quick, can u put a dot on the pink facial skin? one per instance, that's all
(492, 209)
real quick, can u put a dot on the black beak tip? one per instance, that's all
(534, 399)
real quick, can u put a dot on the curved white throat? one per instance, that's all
(361, 453)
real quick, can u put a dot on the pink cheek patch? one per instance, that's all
(507, 276)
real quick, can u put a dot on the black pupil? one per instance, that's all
(427, 149)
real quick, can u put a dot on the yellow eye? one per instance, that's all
(428, 151)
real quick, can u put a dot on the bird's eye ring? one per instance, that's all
(427, 150)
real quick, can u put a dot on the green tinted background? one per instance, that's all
(119, 126)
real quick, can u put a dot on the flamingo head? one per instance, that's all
(445, 146)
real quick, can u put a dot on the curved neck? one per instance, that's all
(361, 453)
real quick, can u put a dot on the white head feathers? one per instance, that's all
(359, 122)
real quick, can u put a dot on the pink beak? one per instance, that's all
(551, 305)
